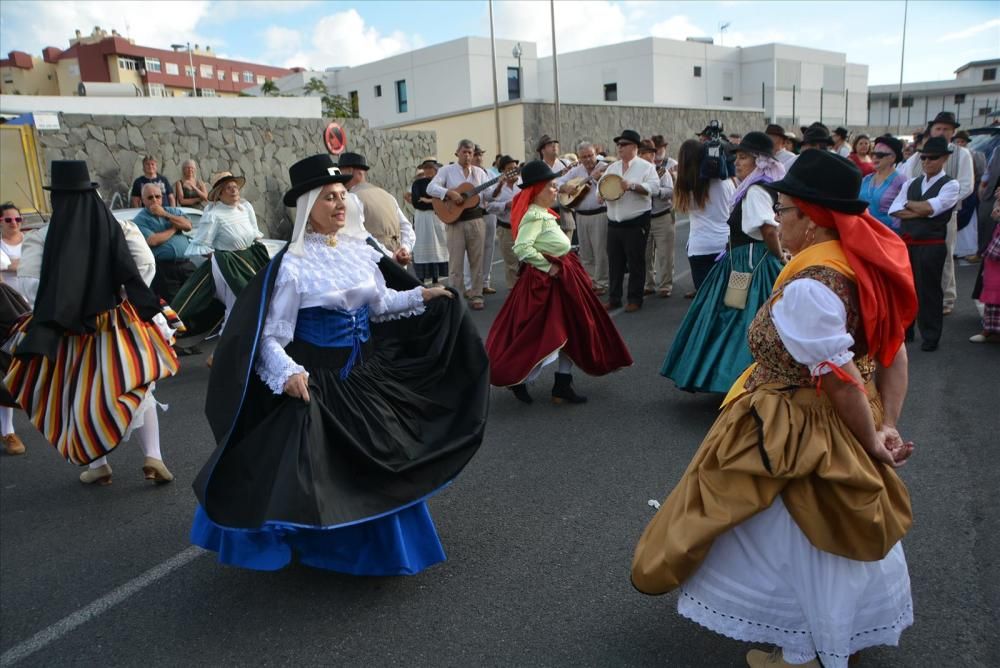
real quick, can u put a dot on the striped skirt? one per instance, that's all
(85, 400)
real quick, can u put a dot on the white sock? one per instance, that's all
(565, 363)
(6, 420)
(98, 463)
(149, 434)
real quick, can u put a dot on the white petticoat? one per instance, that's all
(763, 581)
(431, 244)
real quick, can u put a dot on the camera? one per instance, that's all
(715, 161)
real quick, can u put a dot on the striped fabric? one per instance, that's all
(84, 401)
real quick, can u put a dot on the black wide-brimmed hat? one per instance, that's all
(775, 129)
(630, 136)
(647, 145)
(945, 117)
(312, 172)
(354, 160)
(504, 161)
(429, 162)
(893, 143)
(936, 146)
(534, 172)
(841, 132)
(757, 143)
(816, 135)
(70, 175)
(824, 178)
(544, 141)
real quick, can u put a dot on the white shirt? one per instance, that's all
(225, 228)
(785, 157)
(451, 176)
(346, 277)
(589, 201)
(632, 204)
(500, 205)
(11, 252)
(710, 225)
(844, 150)
(758, 211)
(812, 323)
(665, 197)
(959, 167)
(946, 199)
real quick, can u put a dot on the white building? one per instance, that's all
(972, 95)
(792, 84)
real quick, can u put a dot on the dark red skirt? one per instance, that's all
(543, 314)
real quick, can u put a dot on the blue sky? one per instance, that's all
(941, 36)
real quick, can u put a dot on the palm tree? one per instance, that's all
(270, 88)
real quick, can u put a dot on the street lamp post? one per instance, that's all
(194, 86)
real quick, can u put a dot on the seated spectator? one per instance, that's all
(164, 228)
(190, 190)
(150, 175)
(11, 238)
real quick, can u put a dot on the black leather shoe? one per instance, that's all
(521, 392)
(562, 390)
(929, 346)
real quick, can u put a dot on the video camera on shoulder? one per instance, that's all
(715, 160)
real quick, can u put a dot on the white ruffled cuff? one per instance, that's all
(398, 305)
(826, 366)
(275, 367)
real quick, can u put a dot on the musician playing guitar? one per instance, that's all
(548, 151)
(467, 234)
(590, 214)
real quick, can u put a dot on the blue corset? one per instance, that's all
(334, 328)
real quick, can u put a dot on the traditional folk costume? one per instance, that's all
(710, 348)
(783, 529)
(86, 361)
(12, 307)
(430, 250)
(549, 318)
(230, 234)
(398, 393)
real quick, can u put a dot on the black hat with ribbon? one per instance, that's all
(70, 175)
(630, 136)
(534, 172)
(936, 146)
(824, 178)
(354, 160)
(312, 172)
(946, 117)
(757, 143)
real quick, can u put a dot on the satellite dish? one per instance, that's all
(335, 138)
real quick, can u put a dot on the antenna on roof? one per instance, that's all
(723, 27)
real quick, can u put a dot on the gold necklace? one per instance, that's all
(331, 241)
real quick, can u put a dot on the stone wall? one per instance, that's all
(602, 123)
(260, 149)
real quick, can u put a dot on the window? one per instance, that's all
(153, 64)
(378, 91)
(248, 77)
(261, 79)
(960, 98)
(131, 64)
(188, 71)
(983, 111)
(172, 68)
(894, 102)
(221, 74)
(990, 74)
(513, 83)
(156, 90)
(401, 105)
(206, 71)
(206, 92)
(727, 98)
(611, 92)
(353, 97)
(236, 76)
(697, 71)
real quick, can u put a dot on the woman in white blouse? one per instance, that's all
(352, 404)
(11, 238)
(786, 526)
(229, 233)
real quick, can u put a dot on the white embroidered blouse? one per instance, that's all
(225, 228)
(346, 277)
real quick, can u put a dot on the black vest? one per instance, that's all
(737, 237)
(935, 227)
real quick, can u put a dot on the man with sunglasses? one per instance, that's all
(924, 206)
(164, 228)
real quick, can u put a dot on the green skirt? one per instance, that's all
(710, 350)
(195, 302)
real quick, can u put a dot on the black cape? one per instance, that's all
(256, 473)
(85, 263)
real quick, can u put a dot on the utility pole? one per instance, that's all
(496, 101)
(555, 67)
(902, 58)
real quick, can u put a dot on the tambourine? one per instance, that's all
(611, 187)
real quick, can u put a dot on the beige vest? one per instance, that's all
(381, 217)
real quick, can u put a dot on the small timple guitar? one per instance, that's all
(449, 212)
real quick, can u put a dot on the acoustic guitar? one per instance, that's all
(579, 187)
(449, 212)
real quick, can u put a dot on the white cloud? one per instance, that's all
(993, 25)
(676, 27)
(579, 25)
(148, 23)
(337, 39)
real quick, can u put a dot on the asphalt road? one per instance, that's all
(539, 532)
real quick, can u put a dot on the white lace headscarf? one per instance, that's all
(354, 229)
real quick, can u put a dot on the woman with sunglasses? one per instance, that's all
(880, 188)
(11, 239)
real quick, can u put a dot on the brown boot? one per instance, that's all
(12, 445)
(758, 658)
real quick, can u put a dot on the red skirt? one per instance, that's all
(544, 314)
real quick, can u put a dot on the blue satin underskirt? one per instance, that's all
(403, 542)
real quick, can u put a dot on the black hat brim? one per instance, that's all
(292, 196)
(80, 187)
(793, 188)
(538, 178)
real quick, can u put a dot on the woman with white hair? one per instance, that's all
(339, 404)
(190, 190)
